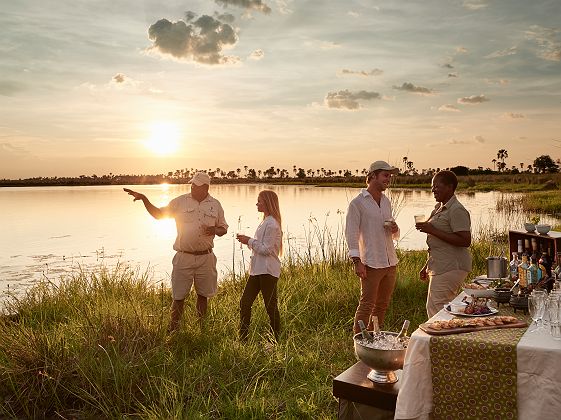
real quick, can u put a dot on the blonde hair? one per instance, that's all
(271, 201)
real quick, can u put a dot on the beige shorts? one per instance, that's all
(189, 269)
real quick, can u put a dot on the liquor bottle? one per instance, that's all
(546, 263)
(365, 334)
(523, 271)
(527, 249)
(533, 272)
(514, 263)
(520, 248)
(534, 250)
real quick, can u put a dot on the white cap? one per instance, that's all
(200, 178)
(384, 166)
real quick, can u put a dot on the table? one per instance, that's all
(359, 397)
(538, 375)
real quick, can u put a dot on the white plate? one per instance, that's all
(493, 312)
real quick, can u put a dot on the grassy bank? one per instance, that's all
(95, 345)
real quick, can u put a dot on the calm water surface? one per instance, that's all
(47, 231)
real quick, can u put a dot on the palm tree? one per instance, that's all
(502, 154)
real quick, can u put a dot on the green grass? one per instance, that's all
(95, 345)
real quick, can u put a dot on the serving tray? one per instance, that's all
(460, 330)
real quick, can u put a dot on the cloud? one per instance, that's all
(475, 4)
(363, 73)
(474, 140)
(225, 17)
(257, 54)
(283, 6)
(410, 87)
(13, 151)
(448, 66)
(120, 82)
(455, 74)
(502, 82)
(461, 50)
(256, 5)
(345, 99)
(119, 78)
(449, 108)
(201, 40)
(546, 38)
(503, 53)
(474, 99)
(513, 116)
(353, 14)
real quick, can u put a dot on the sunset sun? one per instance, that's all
(164, 138)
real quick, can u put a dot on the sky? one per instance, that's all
(147, 87)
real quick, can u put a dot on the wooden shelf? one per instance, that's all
(552, 240)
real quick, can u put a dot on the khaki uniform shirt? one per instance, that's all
(443, 257)
(190, 218)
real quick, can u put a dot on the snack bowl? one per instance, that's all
(479, 293)
(543, 229)
(457, 306)
(502, 295)
(530, 227)
(382, 362)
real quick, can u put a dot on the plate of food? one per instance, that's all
(471, 310)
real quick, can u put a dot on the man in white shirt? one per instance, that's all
(370, 231)
(198, 218)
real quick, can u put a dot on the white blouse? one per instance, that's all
(265, 247)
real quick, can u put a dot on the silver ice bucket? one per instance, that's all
(497, 267)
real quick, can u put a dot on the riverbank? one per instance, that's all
(523, 182)
(95, 345)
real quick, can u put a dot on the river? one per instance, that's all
(47, 231)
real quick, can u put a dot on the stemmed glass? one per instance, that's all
(536, 309)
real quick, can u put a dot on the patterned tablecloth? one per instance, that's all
(475, 371)
(474, 374)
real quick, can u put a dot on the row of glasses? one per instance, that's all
(536, 308)
(554, 313)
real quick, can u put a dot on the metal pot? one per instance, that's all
(497, 267)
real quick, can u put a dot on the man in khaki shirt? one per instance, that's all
(448, 232)
(198, 218)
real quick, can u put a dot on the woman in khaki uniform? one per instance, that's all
(448, 232)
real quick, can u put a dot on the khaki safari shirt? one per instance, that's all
(443, 257)
(190, 218)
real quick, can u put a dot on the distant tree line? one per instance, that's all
(541, 165)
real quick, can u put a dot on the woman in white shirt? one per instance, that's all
(265, 265)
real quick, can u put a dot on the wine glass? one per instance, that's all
(535, 307)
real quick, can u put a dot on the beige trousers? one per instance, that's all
(375, 295)
(443, 288)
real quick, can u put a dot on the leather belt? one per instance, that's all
(206, 251)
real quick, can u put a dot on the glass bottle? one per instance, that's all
(520, 248)
(523, 271)
(546, 263)
(533, 272)
(514, 263)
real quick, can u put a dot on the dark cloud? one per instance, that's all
(452, 74)
(225, 17)
(448, 66)
(257, 5)
(201, 40)
(364, 73)
(513, 116)
(410, 87)
(189, 16)
(472, 100)
(349, 100)
(119, 78)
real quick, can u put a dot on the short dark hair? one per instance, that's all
(448, 178)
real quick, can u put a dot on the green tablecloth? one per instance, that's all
(474, 374)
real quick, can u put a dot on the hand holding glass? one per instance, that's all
(419, 218)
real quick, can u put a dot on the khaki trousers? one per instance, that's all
(375, 294)
(443, 288)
